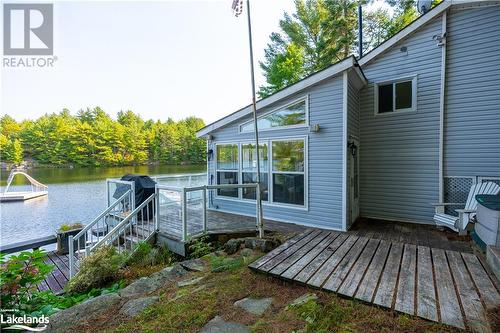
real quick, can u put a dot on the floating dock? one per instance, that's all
(37, 189)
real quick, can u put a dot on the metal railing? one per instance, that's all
(175, 201)
(97, 228)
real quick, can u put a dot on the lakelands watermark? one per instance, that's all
(24, 323)
(28, 35)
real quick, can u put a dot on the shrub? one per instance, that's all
(69, 226)
(200, 247)
(96, 270)
(145, 254)
(19, 276)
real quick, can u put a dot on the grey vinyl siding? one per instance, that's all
(352, 130)
(399, 152)
(324, 171)
(472, 116)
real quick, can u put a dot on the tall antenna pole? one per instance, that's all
(256, 130)
(360, 30)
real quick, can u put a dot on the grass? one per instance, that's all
(189, 308)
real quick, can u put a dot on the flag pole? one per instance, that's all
(256, 130)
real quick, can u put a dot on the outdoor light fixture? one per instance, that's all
(210, 137)
(351, 145)
(314, 128)
(210, 154)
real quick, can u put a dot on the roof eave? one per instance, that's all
(296, 87)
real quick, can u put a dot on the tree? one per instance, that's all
(16, 152)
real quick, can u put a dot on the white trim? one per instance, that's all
(294, 88)
(344, 150)
(270, 172)
(216, 169)
(296, 101)
(441, 108)
(312, 225)
(422, 20)
(414, 85)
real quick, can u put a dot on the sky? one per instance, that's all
(161, 59)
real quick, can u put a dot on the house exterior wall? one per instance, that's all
(472, 109)
(324, 155)
(352, 132)
(399, 155)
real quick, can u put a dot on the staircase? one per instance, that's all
(118, 225)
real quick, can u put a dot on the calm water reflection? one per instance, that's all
(74, 195)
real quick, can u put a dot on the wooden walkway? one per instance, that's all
(59, 276)
(440, 285)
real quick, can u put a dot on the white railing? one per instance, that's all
(98, 228)
(182, 180)
(36, 186)
(175, 201)
(114, 189)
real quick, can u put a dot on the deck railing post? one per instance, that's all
(204, 203)
(71, 257)
(259, 213)
(157, 208)
(184, 214)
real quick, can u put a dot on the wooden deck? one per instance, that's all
(437, 284)
(59, 276)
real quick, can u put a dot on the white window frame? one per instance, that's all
(305, 173)
(238, 171)
(413, 79)
(261, 142)
(295, 101)
(270, 202)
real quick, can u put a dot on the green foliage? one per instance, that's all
(322, 32)
(145, 254)
(93, 138)
(19, 276)
(96, 270)
(200, 247)
(325, 318)
(70, 226)
(224, 263)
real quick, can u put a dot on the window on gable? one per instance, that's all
(290, 115)
(396, 96)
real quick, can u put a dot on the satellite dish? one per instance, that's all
(423, 6)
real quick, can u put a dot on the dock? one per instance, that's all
(38, 189)
(21, 196)
(57, 279)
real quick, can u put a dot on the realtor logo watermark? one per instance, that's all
(28, 35)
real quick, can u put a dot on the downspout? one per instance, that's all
(442, 43)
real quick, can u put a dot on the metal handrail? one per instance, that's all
(124, 222)
(104, 213)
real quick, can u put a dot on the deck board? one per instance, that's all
(441, 285)
(58, 278)
(426, 293)
(405, 296)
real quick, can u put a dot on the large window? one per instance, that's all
(249, 169)
(290, 115)
(227, 168)
(395, 96)
(288, 171)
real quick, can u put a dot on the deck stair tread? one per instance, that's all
(440, 285)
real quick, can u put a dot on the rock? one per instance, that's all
(196, 265)
(219, 325)
(303, 299)
(233, 245)
(246, 252)
(66, 320)
(262, 244)
(189, 282)
(255, 306)
(157, 280)
(135, 306)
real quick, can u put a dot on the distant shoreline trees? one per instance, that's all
(92, 138)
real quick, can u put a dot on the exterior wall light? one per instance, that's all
(314, 128)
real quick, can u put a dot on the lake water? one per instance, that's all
(75, 195)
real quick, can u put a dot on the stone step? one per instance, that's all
(493, 259)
